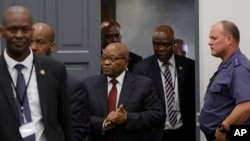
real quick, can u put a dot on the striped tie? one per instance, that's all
(170, 95)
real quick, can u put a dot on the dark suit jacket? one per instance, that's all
(78, 108)
(139, 99)
(134, 58)
(186, 85)
(53, 99)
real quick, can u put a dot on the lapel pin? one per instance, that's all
(180, 68)
(42, 72)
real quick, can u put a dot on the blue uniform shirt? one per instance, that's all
(229, 86)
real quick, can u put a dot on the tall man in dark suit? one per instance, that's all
(136, 107)
(111, 32)
(45, 93)
(182, 82)
(43, 43)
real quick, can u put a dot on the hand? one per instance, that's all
(121, 115)
(220, 136)
(115, 118)
(109, 121)
(112, 116)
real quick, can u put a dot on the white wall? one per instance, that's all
(210, 12)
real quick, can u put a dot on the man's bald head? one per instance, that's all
(165, 30)
(163, 42)
(46, 29)
(43, 39)
(17, 31)
(14, 12)
(120, 48)
(115, 59)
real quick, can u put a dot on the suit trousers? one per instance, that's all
(211, 136)
(173, 134)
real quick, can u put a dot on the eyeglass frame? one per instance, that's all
(113, 59)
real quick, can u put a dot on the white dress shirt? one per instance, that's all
(174, 75)
(32, 90)
(119, 79)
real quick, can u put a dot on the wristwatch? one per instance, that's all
(222, 128)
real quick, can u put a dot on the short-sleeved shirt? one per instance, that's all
(229, 86)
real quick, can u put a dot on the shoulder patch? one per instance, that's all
(236, 62)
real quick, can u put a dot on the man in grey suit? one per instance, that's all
(45, 90)
(137, 107)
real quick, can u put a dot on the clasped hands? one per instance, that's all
(115, 118)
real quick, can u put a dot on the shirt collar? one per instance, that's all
(230, 59)
(171, 61)
(119, 78)
(27, 62)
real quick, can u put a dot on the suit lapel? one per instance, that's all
(5, 81)
(127, 88)
(101, 89)
(180, 73)
(156, 72)
(42, 77)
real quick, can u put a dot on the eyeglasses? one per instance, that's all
(112, 36)
(162, 44)
(112, 59)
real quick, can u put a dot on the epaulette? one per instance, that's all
(236, 62)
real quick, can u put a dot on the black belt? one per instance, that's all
(173, 134)
(174, 131)
(210, 136)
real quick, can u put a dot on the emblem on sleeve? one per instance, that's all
(236, 62)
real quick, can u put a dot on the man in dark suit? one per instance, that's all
(183, 84)
(111, 32)
(43, 43)
(136, 107)
(45, 93)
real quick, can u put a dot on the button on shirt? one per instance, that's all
(229, 87)
(32, 91)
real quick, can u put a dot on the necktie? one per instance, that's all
(112, 96)
(169, 88)
(23, 104)
(112, 106)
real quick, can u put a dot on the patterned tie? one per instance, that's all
(112, 96)
(21, 92)
(170, 95)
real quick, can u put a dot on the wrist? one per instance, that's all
(222, 128)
